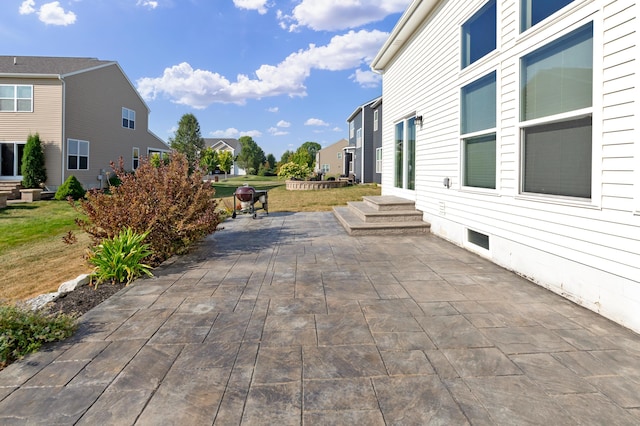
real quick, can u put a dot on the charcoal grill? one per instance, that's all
(245, 199)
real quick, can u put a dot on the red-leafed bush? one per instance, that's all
(175, 207)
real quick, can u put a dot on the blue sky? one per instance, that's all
(282, 72)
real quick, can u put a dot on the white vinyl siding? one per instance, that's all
(583, 248)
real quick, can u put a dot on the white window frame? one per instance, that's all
(378, 160)
(522, 11)
(135, 158)
(359, 137)
(375, 120)
(16, 98)
(127, 114)
(339, 155)
(78, 156)
(464, 137)
(325, 168)
(593, 112)
(464, 45)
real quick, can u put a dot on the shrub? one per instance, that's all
(176, 208)
(119, 259)
(23, 331)
(293, 170)
(70, 188)
(34, 174)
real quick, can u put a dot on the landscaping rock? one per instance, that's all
(71, 285)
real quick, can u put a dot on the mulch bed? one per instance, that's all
(83, 298)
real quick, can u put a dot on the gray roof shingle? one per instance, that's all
(47, 65)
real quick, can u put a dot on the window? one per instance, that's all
(405, 154)
(339, 156)
(77, 154)
(16, 98)
(358, 138)
(479, 34)
(135, 162)
(378, 160)
(478, 129)
(325, 168)
(351, 129)
(557, 92)
(534, 11)
(128, 118)
(375, 120)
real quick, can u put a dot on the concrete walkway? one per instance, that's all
(285, 320)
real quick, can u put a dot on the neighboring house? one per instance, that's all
(363, 155)
(227, 144)
(85, 110)
(514, 125)
(330, 160)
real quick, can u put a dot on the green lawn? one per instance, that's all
(24, 223)
(226, 187)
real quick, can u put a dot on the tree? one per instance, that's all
(34, 174)
(285, 157)
(251, 155)
(302, 157)
(312, 148)
(208, 159)
(225, 161)
(187, 140)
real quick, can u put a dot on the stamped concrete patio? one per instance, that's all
(285, 320)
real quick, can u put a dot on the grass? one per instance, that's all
(34, 260)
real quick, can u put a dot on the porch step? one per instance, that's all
(13, 186)
(381, 215)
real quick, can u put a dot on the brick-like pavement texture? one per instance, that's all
(286, 320)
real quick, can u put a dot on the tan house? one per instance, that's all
(85, 110)
(227, 144)
(330, 160)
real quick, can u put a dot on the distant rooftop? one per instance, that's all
(47, 65)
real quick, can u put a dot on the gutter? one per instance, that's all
(64, 130)
(409, 22)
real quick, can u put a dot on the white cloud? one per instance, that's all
(315, 122)
(337, 129)
(274, 131)
(232, 132)
(331, 15)
(273, 109)
(27, 7)
(367, 79)
(283, 123)
(147, 3)
(53, 14)
(200, 88)
(259, 5)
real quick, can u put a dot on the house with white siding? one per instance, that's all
(514, 126)
(86, 111)
(231, 145)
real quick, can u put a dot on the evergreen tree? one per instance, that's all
(34, 173)
(188, 140)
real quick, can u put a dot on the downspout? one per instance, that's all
(64, 130)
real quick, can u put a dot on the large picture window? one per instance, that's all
(77, 155)
(479, 34)
(557, 148)
(478, 129)
(16, 98)
(534, 11)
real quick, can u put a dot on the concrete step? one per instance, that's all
(354, 225)
(369, 214)
(11, 186)
(389, 203)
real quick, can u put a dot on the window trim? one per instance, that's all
(379, 160)
(16, 98)
(135, 158)
(465, 47)
(359, 137)
(78, 155)
(352, 127)
(594, 111)
(375, 120)
(464, 137)
(128, 111)
(521, 20)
